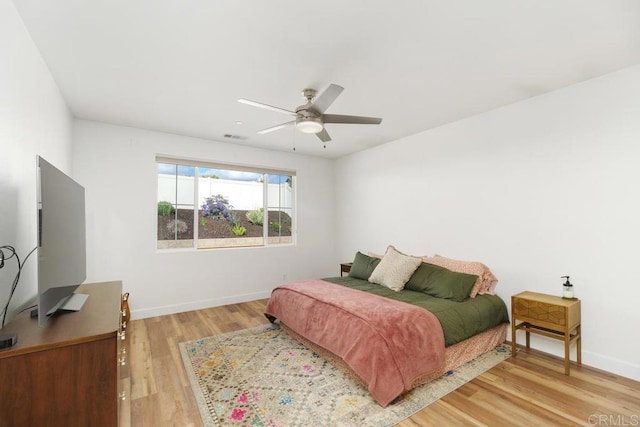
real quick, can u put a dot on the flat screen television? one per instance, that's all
(61, 241)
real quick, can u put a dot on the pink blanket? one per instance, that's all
(389, 344)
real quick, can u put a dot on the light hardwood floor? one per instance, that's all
(530, 389)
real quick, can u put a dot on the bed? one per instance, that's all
(393, 339)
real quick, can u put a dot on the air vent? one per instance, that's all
(231, 136)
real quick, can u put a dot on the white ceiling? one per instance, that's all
(180, 66)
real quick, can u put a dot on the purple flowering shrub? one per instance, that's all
(216, 207)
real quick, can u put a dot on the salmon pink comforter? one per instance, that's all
(388, 344)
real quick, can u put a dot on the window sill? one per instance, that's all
(163, 246)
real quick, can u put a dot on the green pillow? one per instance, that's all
(441, 283)
(363, 266)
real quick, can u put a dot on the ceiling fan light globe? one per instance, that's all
(309, 126)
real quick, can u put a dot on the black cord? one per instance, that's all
(3, 256)
(14, 285)
(29, 308)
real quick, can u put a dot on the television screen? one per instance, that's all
(61, 238)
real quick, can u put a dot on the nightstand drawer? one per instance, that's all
(536, 310)
(546, 310)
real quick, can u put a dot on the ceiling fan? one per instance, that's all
(310, 117)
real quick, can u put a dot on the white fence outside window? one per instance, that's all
(242, 195)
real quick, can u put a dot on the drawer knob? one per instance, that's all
(124, 306)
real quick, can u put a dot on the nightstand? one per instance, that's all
(345, 267)
(550, 316)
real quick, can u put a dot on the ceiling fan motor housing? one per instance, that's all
(308, 120)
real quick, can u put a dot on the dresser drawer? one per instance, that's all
(536, 310)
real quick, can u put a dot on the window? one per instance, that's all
(205, 205)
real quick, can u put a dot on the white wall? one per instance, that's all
(121, 215)
(536, 190)
(34, 119)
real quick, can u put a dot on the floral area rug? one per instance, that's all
(264, 377)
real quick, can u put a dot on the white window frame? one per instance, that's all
(265, 171)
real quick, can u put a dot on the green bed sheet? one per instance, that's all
(459, 320)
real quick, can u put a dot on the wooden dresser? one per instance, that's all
(550, 316)
(67, 372)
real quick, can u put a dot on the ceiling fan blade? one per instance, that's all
(359, 120)
(326, 98)
(324, 135)
(277, 127)
(266, 106)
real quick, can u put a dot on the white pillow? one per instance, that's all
(395, 269)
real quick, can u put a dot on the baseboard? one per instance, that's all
(196, 305)
(613, 365)
(599, 361)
